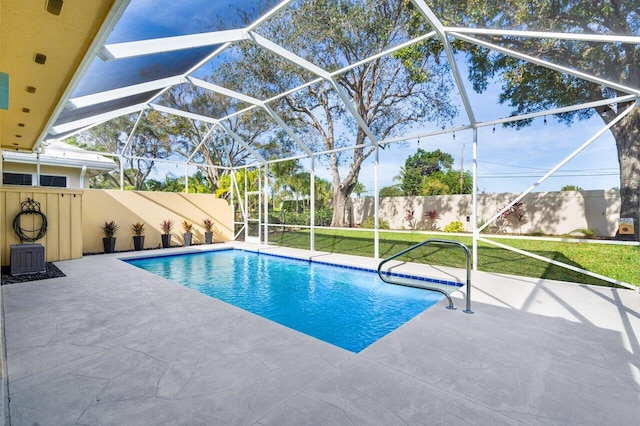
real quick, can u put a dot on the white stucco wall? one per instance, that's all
(554, 213)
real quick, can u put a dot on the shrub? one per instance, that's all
(323, 216)
(208, 224)
(187, 226)
(276, 217)
(536, 234)
(586, 232)
(166, 226)
(370, 222)
(137, 228)
(109, 229)
(432, 219)
(293, 218)
(516, 213)
(455, 226)
(411, 218)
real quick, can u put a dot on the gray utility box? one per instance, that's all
(27, 259)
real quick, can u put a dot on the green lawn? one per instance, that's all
(615, 261)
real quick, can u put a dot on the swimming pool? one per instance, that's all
(346, 307)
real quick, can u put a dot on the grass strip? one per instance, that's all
(616, 261)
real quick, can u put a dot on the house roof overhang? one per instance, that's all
(42, 51)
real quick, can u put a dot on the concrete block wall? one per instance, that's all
(553, 213)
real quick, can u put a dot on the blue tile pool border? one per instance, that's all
(302, 259)
(361, 268)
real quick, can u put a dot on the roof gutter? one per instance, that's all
(11, 157)
(117, 9)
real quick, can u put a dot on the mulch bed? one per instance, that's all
(52, 272)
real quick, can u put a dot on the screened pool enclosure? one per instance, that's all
(342, 91)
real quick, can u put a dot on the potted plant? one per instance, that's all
(109, 230)
(138, 238)
(166, 227)
(187, 227)
(208, 234)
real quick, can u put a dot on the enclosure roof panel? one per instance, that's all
(107, 58)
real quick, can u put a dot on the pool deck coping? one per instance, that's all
(107, 345)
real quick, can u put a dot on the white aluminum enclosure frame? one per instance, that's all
(225, 39)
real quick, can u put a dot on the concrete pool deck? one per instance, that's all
(113, 344)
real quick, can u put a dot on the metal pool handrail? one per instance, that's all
(435, 241)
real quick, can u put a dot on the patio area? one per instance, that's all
(113, 344)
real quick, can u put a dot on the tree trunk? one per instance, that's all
(340, 198)
(627, 136)
(343, 189)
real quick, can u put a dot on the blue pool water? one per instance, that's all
(346, 307)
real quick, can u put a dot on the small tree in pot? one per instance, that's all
(109, 230)
(208, 234)
(166, 227)
(187, 227)
(138, 238)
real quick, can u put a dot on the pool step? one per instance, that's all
(442, 288)
(427, 285)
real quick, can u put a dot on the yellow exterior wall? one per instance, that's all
(129, 207)
(63, 209)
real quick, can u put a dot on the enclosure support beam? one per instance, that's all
(376, 204)
(562, 69)
(554, 111)
(133, 130)
(234, 190)
(186, 178)
(204, 139)
(312, 218)
(224, 91)
(246, 204)
(126, 146)
(99, 118)
(474, 225)
(288, 130)
(245, 145)
(287, 54)
(560, 264)
(265, 195)
(428, 14)
(131, 49)
(121, 172)
(185, 114)
(354, 112)
(122, 92)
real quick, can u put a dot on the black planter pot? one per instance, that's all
(166, 240)
(187, 239)
(208, 237)
(109, 244)
(138, 242)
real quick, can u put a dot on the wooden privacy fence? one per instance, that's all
(63, 210)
